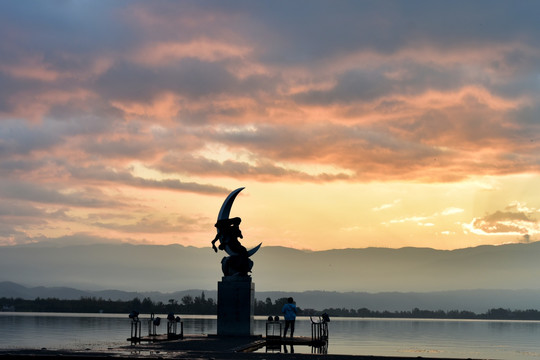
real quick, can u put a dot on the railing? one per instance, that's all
(153, 323)
(135, 330)
(319, 329)
(273, 330)
(135, 327)
(172, 326)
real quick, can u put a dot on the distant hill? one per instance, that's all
(166, 269)
(478, 301)
(12, 290)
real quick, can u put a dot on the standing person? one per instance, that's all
(289, 309)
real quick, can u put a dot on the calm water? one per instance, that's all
(352, 336)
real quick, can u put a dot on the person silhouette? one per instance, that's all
(289, 311)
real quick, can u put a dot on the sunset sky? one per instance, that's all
(350, 124)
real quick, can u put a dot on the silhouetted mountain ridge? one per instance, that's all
(168, 268)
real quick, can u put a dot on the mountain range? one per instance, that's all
(511, 270)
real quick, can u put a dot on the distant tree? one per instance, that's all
(278, 305)
(147, 306)
(136, 303)
(500, 314)
(202, 305)
(187, 300)
(363, 312)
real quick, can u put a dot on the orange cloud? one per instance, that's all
(163, 53)
(31, 68)
(34, 106)
(509, 222)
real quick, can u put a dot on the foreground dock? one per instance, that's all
(192, 347)
(155, 338)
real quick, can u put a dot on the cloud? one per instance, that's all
(18, 139)
(416, 219)
(387, 206)
(73, 239)
(38, 193)
(15, 216)
(420, 220)
(452, 211)
(122, 177)
(365, 152)
(441, 112)
(387, 80)
(190, 77)
(262, 170)
(156, 225)
(19, 220)
(204, 49)
(203, 94)
(511, 221)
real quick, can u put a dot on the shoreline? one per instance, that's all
(191, 347)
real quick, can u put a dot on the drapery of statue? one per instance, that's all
(238, 263)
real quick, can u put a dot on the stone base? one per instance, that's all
(236, 304)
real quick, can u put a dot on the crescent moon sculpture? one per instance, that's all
(224, 213)
(254, 250)
(228, 232)
(227, 204)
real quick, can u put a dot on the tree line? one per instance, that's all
(492, 314)
(201, 305)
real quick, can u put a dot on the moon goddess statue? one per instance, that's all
(238, 263)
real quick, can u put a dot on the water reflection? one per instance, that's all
(291, 348)
(200, 324)
(350, 336)
(285, 349)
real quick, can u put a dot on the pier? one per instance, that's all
(275, 342)
(272, 342)
(173, 323)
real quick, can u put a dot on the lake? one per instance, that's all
(349, 336)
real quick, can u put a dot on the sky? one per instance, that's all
(351, 124)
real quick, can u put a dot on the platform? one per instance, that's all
(189, 348)
(274, 342)
(156, 338)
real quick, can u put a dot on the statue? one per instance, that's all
(238, 263)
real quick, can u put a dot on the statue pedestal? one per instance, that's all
(236, 303)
